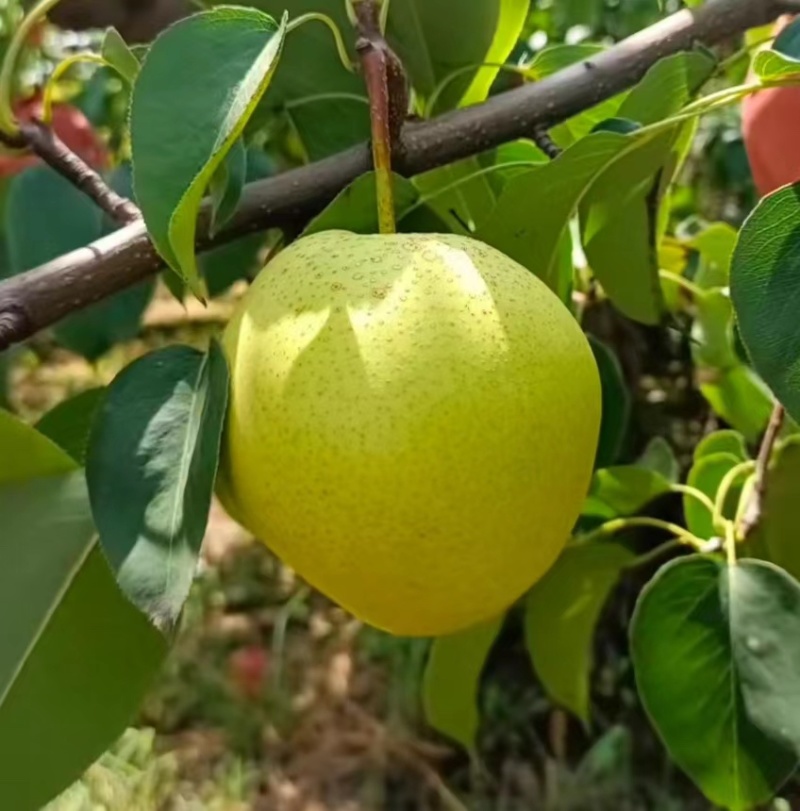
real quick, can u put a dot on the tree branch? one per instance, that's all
(43, 140)
(752, 514)
(40, 297)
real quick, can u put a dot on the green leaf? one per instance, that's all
(619, 213)
(561, 613)
(119, 56)
(458, 195)
(765, 288)
(715, 244)
(346, 117)
(779, 526)
(452, 678)
(536, 206)
(151, 467)
(226, 186)
(717, 665)
(227, 264)
(725, 441)
(240, 259)
(712, 331)
(659, 457)
(73, 222)
(667, 87)
(27, 453)
(197, 88)
(421, 31)
(76, 657)
(69, 424)
(739, 397)
(616, 406)
(706, 476)
(618, 231)
(783, 59)
(355, 209)
(623, 490)
(554, 58)
(312, 85)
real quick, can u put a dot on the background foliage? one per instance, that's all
(270, 694)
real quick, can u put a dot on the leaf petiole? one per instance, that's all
(720, 523)
(616, 525)
(341, 47)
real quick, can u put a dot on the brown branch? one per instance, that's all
(44, 142)
(752, 514)
(379, 61)
(42, 296)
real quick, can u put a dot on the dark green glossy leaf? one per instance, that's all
(197, 88)
(561, 613)
(765, 288)
(616, 405)
(452, 681)
(69, 424)
(718, 669)
(151, 467)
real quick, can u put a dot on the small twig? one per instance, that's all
(752, 514)
(541, 137)
(44, 142)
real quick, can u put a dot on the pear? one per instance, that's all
(412, 426)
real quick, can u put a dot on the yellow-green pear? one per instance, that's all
(413, 423)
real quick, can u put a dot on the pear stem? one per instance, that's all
(388, 103)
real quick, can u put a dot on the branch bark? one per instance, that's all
(40, 297)
(55, 153)
(752, 515)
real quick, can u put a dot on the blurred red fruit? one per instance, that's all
(248, 669)
(770, 123)
(71, 126)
